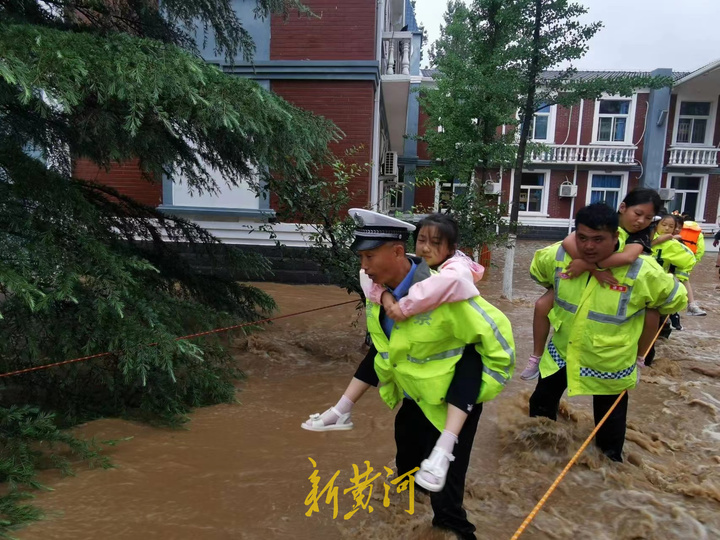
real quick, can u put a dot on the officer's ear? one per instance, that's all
(399, 250)
(616, 234)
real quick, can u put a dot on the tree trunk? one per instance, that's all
(527, 118)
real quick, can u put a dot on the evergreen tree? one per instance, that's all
(84, 269)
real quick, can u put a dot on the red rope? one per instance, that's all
(190, 336)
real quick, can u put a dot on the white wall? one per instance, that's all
(229, 197)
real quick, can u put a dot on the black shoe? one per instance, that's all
(613, 455)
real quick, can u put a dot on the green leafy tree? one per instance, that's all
(494, 61)
(467, 108)
(472, 98)
(84, 269)
(550, 35)
(321, 208)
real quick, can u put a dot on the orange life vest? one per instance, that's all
(690, 234)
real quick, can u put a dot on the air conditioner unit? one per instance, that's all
(492, 188)
(666, 194)
(389, 164)
(568, 190)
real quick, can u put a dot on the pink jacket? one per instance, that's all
(454, 282)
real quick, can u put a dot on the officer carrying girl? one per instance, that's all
(438, 349)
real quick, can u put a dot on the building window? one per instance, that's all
(540, 127)
(693, 122)
(687, 195)
(606, 188)
(444, 193)
(395, 196)
(532, 192)
(613, 120)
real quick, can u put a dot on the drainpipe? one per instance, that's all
(575, 173)
(375, 177)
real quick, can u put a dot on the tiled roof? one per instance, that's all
(586, 75)
(591, 75)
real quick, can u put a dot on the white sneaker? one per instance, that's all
(694, 309)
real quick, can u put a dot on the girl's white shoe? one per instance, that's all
(316, 423)
(435, 467)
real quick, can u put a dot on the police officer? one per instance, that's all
(594, 348)
(415, 360)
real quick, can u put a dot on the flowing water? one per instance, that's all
(242, 470)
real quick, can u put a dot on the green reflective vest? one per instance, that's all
(675, 256)
(597, 329)
(420, 356)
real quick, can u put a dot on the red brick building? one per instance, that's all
(351, 64)
(600, 150)
(358, 64)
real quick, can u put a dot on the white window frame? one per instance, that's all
(551, 126)
(629, 128)
(623, 184)
(709, 132)
(704, 178)
(436, 205)
(545, 189)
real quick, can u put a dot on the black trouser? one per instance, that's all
(415, 437)
(610, 437)
(366, 370)
(464, 388)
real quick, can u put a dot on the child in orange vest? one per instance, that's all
(692, 236)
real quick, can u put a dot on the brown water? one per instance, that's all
(241, 471)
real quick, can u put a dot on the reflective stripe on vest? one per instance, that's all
(621, 316)
(589, 372)
(612, 319)
(385, 356)
(606, 375)
(498, 335)
(673, 293)
(567, 306)
(455, 352)
(495, 375)
(555, 355)
(439, 356)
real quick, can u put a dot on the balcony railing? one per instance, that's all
(694, 157)
(571, 154)
(397, 50)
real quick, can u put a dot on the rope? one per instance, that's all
(190, 336)
(560, 477)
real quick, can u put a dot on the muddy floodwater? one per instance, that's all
(241, 471)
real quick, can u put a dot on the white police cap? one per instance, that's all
(373, 229)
